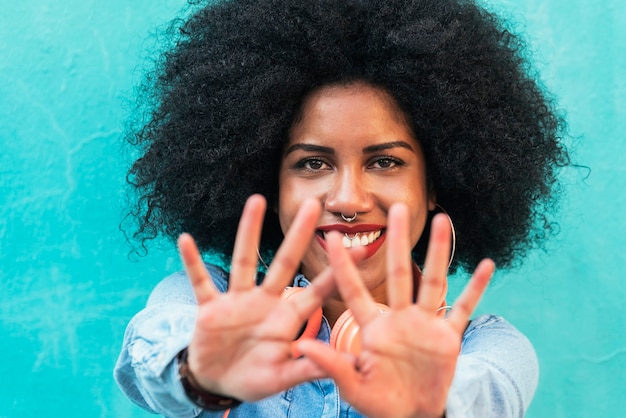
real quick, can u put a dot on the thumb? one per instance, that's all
(339, 366)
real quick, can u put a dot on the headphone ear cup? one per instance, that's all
(346, 333)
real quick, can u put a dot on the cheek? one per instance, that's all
(292, 192)
(288, 202)
(419, 209)
(418, 222)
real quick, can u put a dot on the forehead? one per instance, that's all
(355, 106)
(350, 95)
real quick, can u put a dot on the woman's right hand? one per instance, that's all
(242, 342)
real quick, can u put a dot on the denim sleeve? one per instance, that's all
(147, 369)
(496, 374)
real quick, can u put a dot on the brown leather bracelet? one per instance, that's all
(195, 393)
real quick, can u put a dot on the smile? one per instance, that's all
(369, 236)
(359, 239)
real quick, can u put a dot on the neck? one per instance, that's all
(333, 308)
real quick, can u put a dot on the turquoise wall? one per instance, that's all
(67, 287)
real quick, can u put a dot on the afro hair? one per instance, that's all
(223, 96)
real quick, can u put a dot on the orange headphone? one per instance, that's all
(345, 334)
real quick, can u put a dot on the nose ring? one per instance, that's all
(349, 219)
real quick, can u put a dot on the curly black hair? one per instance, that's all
(223, 96)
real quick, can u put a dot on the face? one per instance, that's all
(352, 149)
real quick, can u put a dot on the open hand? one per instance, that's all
(242, 342)
(408, 354)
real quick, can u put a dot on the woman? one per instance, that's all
(356, 121)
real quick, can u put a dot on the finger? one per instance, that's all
(351, 288)
(338, 365)
(199, 277)
(244, 261)
(357, 254)
(308, 300)
(298, 371)
(296, 242)
(469, 298)
(399, 272)
(436, 265)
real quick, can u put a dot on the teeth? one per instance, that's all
(358, 239)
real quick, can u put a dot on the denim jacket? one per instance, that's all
(496, 373)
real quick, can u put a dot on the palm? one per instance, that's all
(417, 355)
(250, 348)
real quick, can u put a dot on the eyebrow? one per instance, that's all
(387, 145)
(310, 148)
(367, 150)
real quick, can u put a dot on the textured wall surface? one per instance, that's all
(67, 287)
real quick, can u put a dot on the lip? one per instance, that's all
(351, 229)
(370, 250)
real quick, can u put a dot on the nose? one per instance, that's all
(348, 193)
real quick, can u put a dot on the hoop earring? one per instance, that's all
(445, 309)
(258, 254)
(349, 219)
(453, 231)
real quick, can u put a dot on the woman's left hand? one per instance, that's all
(409, 354)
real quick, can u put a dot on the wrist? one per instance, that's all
(436, 415)
(198, 395)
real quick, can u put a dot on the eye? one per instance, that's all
(312, 164)
(383, 163)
